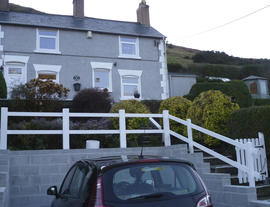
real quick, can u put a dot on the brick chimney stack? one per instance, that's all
(143, 14)
(4, 5)
(78, 8)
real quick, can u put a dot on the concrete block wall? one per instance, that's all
(4, 178)
(32, 172)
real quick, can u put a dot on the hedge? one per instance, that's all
(3, 86)
(261, 102)
(235, 89)
(246, 123)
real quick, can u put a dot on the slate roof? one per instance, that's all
(84, 24)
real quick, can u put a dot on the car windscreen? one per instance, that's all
(147, 180)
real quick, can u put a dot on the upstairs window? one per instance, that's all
(47, 41)
(129, 47)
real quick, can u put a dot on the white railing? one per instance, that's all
(260, 160)
(250, 150)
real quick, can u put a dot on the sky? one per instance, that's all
(184, 22)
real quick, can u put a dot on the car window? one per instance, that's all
(77, 181)
(65, 185)
(143, 179)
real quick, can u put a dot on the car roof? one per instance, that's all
(114, 161)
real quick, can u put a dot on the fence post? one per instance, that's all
(65, 128)
(250, 164)
(4, 128)
(122, 128)
(166, 128)
(190, 138)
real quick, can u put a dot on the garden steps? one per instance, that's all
(218, 166)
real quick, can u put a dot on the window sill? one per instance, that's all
(48, 52)
(129, 57)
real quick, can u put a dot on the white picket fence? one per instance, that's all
(260, 160)
(252, 173)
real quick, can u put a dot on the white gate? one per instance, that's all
(259, 161)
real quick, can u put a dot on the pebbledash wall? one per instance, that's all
(77, 52)
(32, 172)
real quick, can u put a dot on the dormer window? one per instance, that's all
(47, 41)
(129, 47)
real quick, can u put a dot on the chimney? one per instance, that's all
(143, 14)
(4, 5)
(78, 8)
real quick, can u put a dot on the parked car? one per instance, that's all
(129, 181)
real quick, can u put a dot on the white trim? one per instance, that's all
(48, 68)
(163, 70)
(102, 65)
(130, 72)
(1, 37)
(41, 50)
(136, 73)
(137, 50)
(15, 59)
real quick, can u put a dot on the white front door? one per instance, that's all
(15, 74)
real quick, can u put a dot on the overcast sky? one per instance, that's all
(184, 21)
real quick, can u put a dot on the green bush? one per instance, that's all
(3, 86)
(246, 123)
(92, 100)
(35, 142)
(261, 102)
(235, 89)
(153, 105)
(177, 106)
(131, 106)
(211, 110)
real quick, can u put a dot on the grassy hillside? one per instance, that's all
(18, 8)
(181, 55)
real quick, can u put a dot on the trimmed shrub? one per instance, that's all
(246, 123)
(236, 89)
(131, 106)
(261, 102)
(177, 106)
(92, 100)
(153, 105)
(3, 86)
(38, 95)
(211, 110)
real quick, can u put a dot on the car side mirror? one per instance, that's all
(52, 191)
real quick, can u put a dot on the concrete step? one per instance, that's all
(2, 196)
(224, 168)
(3, 179)
(214, 161)
(263, 192)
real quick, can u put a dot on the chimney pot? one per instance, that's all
(4, 5)
(143, 14)
(78, 8)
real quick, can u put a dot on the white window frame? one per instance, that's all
(130, 73)
(103, 66)
(46, 69)
(137, 55)
(42, 50)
